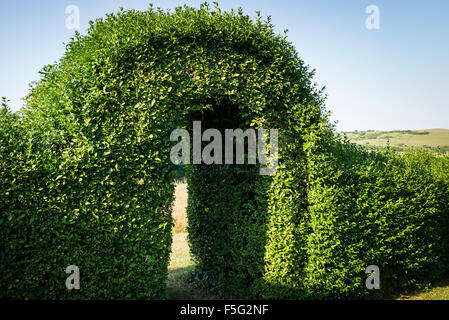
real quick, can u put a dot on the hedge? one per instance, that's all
(94, 185)
(86, 177)
(61, 208)
(375, 208)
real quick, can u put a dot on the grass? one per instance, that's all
(430, 139)
(179, 207)
(181, 264)
(437, 292)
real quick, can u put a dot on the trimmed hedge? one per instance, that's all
(86, 177)
(278, 240)
(94, 186)
(231, 208)
(226, 229)
(86, 209)
(375, 208)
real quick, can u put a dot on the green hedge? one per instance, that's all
(226, 229)
(86, 210)
(86, 177)
(94, 186)
(359, 208)
(375, 208)
(233, 235)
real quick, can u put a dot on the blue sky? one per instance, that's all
(392, 78)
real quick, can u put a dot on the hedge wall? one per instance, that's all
(375, 208)
(85, 208)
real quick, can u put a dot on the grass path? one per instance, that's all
(181, 265)
(438, 292)
(178, 287)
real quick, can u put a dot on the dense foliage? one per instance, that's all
(375, 208)
(93, 186)
(86, 178)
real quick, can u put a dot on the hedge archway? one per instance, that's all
(86, 177)
(101, 192)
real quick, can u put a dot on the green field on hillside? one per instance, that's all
(400, 140)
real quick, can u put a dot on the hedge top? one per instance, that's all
(169, 66)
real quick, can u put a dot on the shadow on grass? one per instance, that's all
(179, 287)
(439, 291)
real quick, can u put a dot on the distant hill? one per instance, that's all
(400, 140)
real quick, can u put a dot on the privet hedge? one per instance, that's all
(86, 178)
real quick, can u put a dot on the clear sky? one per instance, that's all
(394, 77)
